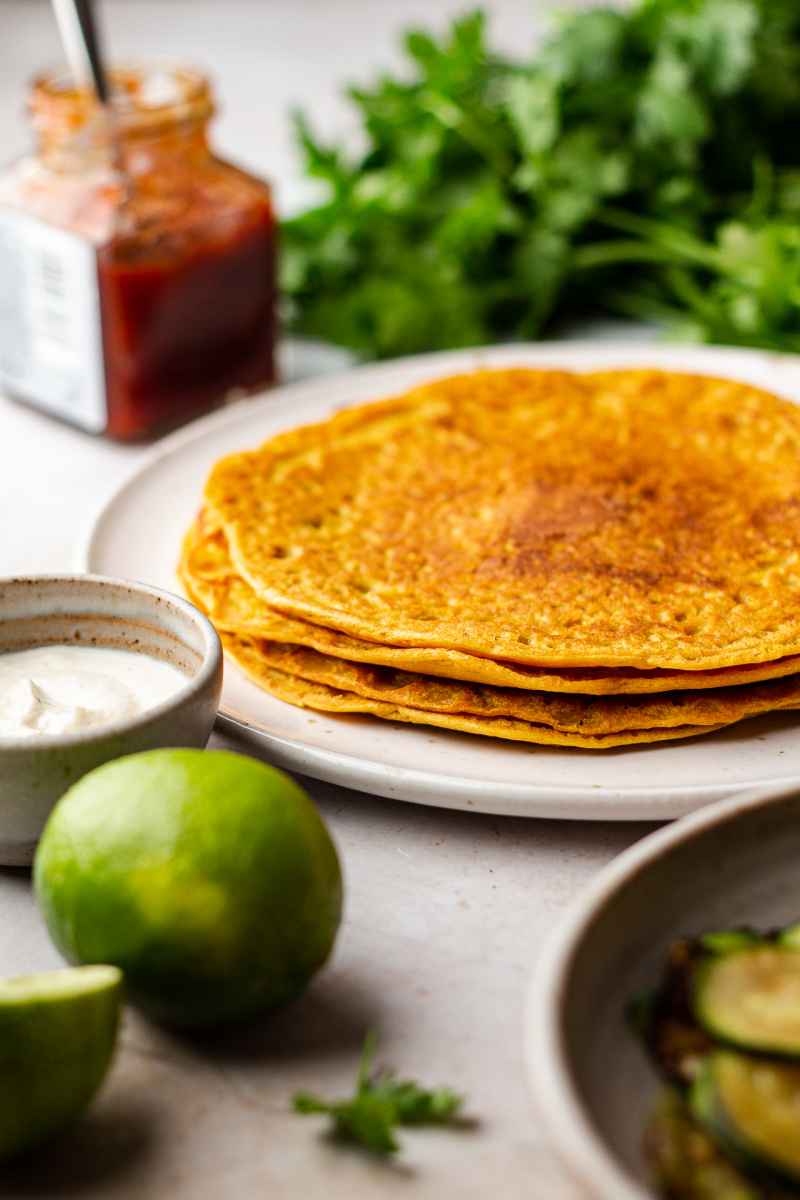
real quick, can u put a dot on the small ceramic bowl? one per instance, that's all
(90, 610)
(736, 862)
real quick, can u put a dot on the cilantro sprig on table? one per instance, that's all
(378, 1106)
(490, 196)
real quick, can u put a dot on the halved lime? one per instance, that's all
(57, 1034)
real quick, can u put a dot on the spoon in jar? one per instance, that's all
(78, 29)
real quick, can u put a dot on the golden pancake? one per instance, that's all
(212, 583)
(590, 716)
(304, 694)
(628, 519)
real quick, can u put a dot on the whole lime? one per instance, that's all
(209, 878)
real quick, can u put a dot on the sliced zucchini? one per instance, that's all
(723, 941)
(750, 998)
(686, 1163)
(751, 1108)
(790, 936)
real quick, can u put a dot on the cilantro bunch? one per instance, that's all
(482, 204)
(739, 288)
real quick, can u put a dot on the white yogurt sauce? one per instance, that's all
(63, 689)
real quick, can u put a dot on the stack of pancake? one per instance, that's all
(574, 560)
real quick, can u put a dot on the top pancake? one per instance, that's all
(625, 519)
(212, 583)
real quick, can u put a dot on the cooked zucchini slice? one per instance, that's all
(723, 941)
(751, 1108)
(686, 1163)
(790, 936)
(750, 998)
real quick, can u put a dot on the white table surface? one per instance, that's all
(444, 911)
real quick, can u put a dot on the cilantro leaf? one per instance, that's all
(415, 1105)
(379, 1105)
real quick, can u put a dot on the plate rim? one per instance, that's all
(578, 802)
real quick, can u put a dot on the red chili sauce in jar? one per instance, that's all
(185, 243)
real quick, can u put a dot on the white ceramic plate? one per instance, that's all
(736, 863)
(137, 535)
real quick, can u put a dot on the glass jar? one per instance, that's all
(136, 268)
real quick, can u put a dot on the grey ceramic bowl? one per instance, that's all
(94, 611)
(735, 862)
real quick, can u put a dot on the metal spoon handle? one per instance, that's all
(85, 11)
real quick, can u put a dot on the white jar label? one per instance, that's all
(51, 345)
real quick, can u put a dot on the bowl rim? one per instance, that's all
(566, 1122)
(211, 666)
